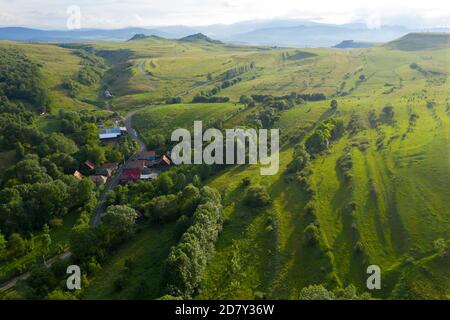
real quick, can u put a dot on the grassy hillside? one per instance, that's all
(377, 193)
(421, 41)
(392, 209)
(164, 119)
(57, 65)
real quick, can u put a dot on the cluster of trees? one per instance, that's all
(92, 68)
(175, 197)
(296, 55)
(268, 117)
(326, 132)
(72, 87)
(34, 195)
(187, 260)
(293, 97)
(247, 101)
(265, 118)
(167, 197)
(14, 246)
(174, 100)
(300, 159)
(82, 129)
(169, 207)
(356, 124)
(204, 99)
(117, 225)
(302, 174)
(387, 114)
(345, 164)
(418, 68)
(39, 187)
(319, 292)
(234, 72)
(257, 197)
(20, 78)
(225, 84)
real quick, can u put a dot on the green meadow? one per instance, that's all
(387, 209)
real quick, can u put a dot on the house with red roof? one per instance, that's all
(130, 174)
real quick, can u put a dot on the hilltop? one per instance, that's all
(138, 36)
(421, 41)
(351, 44)
(141, 36)
(199, 37)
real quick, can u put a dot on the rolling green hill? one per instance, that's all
(421, 41)
(388, 213)
(374, 193)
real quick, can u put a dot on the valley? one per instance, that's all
(363, 178)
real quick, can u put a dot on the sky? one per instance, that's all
(110, 14)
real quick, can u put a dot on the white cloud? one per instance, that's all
(122, 13)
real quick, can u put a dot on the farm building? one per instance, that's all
(139, 164)
(107, 169)
(88, 164)
(112, 133)
(98, 179)
(147, 155)
(165, 162)
(130, 174)
(149, 176)
(77, 174)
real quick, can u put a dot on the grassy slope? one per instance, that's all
(149, 249)
(403, 219)
(57, 64)
(164, 119)
(59, 236)
(400, 190)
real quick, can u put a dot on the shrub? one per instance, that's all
(333, 104)
(316, 292)
(181, 226)
(257, 197)
(162, 208)
(311, 235)
(246, 182)
(301, 158)
(173, 100)
(442, 247)
(359, 247)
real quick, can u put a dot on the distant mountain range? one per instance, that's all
(280, 32)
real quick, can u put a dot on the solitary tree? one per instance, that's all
(333, 104)
(119, 222)
(3, 243)
(46, 240)
(16, 245)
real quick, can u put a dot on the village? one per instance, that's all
(144, 165)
